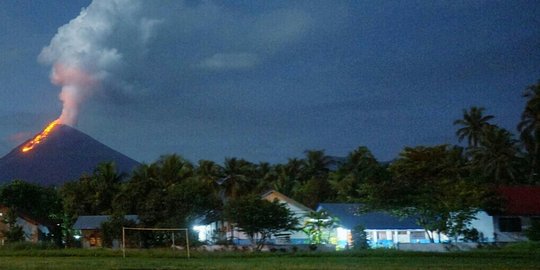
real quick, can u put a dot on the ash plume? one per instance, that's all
(123, 49)
(82, 55)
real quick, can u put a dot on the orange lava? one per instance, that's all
(40, 137)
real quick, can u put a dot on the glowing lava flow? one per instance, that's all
(36, 140)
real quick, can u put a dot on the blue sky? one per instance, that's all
(266, 80)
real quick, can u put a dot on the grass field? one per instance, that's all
(386, 259)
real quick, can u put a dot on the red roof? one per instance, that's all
(521, 201)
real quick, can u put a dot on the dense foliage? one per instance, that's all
(442, 185)
(14, 232)
(259, 219)
(318, 225)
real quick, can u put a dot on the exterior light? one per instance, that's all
(202, 230)
(342, 234)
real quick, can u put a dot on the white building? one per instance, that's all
(520, 207)
(222, 230)
(382, 228)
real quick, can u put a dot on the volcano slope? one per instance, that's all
(63, 156)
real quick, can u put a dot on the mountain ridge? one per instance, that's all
(65, 155)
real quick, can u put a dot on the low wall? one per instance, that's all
(437, 247)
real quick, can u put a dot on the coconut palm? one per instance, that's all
(473, 123)
(265, 175)
(314, 187)
(317, 163)
(318, 226)
(497, 156)
(174, 169)
(359, 167)
(238, 179)
(106, 185)
(209, 172)
(529, 128)
(288, 177)
(143, 194)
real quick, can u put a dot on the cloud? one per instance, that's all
(280, 27)
(222, 61)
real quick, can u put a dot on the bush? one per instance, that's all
(359, 238)
(112, 228)
(14, 234)
(471, 235)
(533, 232)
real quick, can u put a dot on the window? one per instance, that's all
(402, 232)
(510, 224)
(417, 236)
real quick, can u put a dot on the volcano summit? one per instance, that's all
(63, 156)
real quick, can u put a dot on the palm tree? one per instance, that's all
(238, 179)
(359, 168)
(317, 163)
(174, 169)
(529, 127)
(318, 226)
(106, 185)
(315, 187)
(473, 123)
(497, 156)
(143, 194)
(289, 175)
(209, 172)
(265, 175)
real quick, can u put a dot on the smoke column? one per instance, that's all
(82, 56)
(122, 49)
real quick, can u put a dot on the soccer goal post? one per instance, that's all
(173, 230)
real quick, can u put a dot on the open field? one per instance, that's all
(107, 259)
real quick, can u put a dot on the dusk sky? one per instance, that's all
(263, 80)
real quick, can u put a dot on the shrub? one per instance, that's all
(471, 235)
(359, 238)
(533, 232)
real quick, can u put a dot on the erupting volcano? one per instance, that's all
(58, 154)
(40, 137)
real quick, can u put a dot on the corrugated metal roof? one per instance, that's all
(350, 217)
(521, 200)
(94, 222)
(286, 199)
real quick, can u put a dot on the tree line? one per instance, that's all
(442, 186)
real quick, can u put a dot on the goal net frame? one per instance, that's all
(154, 229)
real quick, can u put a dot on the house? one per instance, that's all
(218, 231)
(382, 228)
(34, 230)
(521, 206)
(90, 229)
(299, 210)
